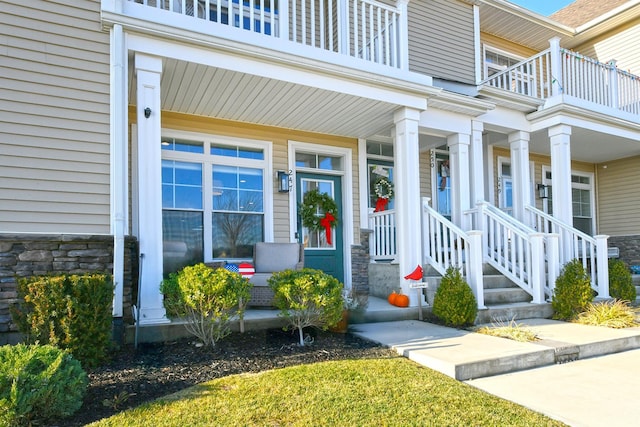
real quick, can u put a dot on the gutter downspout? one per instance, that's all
(119, 171)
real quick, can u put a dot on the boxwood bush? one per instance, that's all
(209, 299)
(71, 312)
(38, 383)
(572, 293)
(307, 297)
(454, 303)
(620, 281)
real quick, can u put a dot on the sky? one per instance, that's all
(543, 7)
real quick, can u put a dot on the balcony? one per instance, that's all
(579, 79)
(363, 29)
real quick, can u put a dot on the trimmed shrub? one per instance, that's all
(307, 297)
(71, 312)
(620, 281)
(454, 303)
(208, 298)
(572, 293)
(38, 384)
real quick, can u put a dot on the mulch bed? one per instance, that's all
(134, 376)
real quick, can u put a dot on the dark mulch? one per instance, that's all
(154, 370)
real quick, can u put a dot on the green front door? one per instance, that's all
(318, 252)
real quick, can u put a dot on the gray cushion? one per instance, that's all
(260, 279)
(270, 257)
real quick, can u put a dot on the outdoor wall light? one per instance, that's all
(543, 191)
(147, 112)
(285, 181)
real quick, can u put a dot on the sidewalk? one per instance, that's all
(467, 355)
(598, 388)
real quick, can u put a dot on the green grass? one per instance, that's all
(612, 314)
(513, 331)
(368, 392)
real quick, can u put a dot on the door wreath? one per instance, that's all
(313, 200)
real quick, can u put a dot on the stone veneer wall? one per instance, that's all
(629, 248)
(360, 267)
(25, 255)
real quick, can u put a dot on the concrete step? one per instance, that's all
(494, 281)
(505, 296)
(504, 313)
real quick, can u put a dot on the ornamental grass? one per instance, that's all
(616, 314)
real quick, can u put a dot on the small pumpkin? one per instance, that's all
(402, 300)
(392, 298)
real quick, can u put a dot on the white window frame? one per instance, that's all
(576, 185)
(208, 160)
(485, 65)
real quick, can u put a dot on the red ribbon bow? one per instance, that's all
(326, 223)
(381, 204)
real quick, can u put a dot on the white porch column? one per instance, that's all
(519, 144)
(477, 162)
(408, 207)
(148, 70)
(459, 169)
(119, 161)
(560, 142)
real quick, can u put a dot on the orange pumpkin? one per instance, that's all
(392, 298)
(402, 300)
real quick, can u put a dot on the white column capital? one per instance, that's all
(559, 130)
(406, 114)
(150, 63)
(477, 126)
(519, 136)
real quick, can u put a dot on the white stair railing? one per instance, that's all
(383, 242)
(574, 244)
(512, 248)
(445, 245)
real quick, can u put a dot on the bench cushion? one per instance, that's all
(272, 257)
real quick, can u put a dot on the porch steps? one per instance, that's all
(505, 301)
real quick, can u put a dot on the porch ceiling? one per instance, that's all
(586, 145)
(202, 90)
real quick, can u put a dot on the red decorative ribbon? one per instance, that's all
(381, 204)
(326, 223)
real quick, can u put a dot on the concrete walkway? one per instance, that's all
(598, 388)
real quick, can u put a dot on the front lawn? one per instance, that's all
(367, 392)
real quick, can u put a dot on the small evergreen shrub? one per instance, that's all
(620, 281)
(208, 298)
(38, 384)
(454, 303)
(307, 297)
(572, 293)
(71, 312)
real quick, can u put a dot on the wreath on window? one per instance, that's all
(383, 188)
(384, 191)
(309, 212)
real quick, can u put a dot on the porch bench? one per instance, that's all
(269, 258)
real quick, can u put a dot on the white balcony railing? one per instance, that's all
(364, 29)
(558, 71)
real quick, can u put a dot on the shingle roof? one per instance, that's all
(582, 11)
